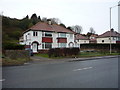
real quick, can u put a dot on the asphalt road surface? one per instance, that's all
(99, 73)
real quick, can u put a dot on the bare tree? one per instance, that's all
(55, 20)
(92, 30)
(44, 19)
(77, 29)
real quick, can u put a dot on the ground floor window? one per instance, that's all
(62, 44)
(46, 45)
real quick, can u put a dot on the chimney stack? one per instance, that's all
(112, 30)
(49, 21)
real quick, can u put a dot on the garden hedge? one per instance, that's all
(58, 52)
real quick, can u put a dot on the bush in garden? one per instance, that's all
(58, 52)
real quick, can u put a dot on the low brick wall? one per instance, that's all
(15, 54)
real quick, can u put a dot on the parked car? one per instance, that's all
(30, 51)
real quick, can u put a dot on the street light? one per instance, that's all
(110, 27)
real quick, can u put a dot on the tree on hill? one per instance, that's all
(39, 18)
(34, 19)
(55, 20)
(69, 27)
(63, 25)
(27, 17)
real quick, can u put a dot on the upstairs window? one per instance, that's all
(35, 33)
(62, 35)
(46, 34)
(71, 36)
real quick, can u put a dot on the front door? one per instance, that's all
(35, 47)
(71, 44)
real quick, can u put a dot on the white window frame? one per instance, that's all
(63, 35)
(43, 45)
(44, 34)
(35, 33)
(62, 45)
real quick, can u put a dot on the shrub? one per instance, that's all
(101, 47)
(58, 52)
(12, 46)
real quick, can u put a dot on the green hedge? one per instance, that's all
(102, 47)
(12, 46)
(58, 52)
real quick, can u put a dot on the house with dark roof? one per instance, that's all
(45, 35)
(80, 39)
(105, 37)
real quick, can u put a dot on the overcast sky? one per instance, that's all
(86, 13)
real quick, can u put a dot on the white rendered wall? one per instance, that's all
(55, 36)
(70, 39)
(106, 40)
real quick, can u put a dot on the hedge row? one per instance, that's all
(105, 47)
(57, 52)
(10, 46)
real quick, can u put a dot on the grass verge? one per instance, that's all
(14, 62)
(81, 55)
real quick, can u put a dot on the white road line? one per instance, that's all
(82, 68)
(87, 68)
(2, 80)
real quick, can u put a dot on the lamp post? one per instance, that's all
(110, 27)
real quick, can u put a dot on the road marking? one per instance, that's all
(83, 69)
(2, 80)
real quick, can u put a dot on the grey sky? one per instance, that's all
(86, 13)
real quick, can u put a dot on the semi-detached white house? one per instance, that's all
(105, 37)
(45, 35)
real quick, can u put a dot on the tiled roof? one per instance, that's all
(42, 26)
(94, 35)
(80, 37)
(107, 34)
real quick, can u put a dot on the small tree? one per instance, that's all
(39, 18)
(92, 30)
(34, 19)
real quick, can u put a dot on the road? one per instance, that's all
(98, 73)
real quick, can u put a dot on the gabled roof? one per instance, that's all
(94, 35)
(80, 37)
(107, 34)
(43, 26)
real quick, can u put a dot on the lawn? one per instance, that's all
(47, 56)
(95, 54)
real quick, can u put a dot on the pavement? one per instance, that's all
(38, 59)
